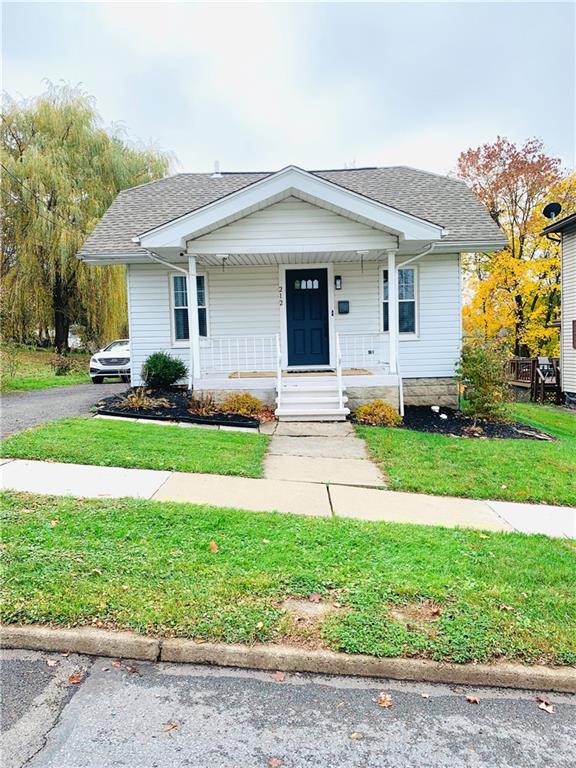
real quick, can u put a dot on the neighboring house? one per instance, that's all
(567, 228)
(319, 290)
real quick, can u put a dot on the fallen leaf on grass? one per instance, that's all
(169, 727)
(54, 523)
(274, 762)
(484, 536)
(260, 625)
(356, 735)
(314, 597)
(472, 699)
(74, 679)
(116, 663)
(213, 547)
(266, 541)
(384, 700)
(51, 662)
(279, 677)
(505, 607)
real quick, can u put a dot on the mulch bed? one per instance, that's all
(421, 418)
(178, 411)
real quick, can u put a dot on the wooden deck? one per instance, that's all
(540, 375)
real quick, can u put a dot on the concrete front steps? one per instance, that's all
(311, 398)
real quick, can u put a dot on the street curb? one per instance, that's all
(94, 642)
(102, 642)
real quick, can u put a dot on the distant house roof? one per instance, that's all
(561, 224)
(441, 200)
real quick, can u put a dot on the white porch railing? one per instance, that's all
(363, 350)
(228, 354)
(339, 371)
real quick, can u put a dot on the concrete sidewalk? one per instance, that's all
(304, 498)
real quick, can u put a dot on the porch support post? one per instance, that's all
(194, 331)
(393, 311)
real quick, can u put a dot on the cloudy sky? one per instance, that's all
(321, 85)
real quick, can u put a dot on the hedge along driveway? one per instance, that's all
(146, 446)
(223, 574)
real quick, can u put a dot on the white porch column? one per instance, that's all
(193, 329)
(393, 311)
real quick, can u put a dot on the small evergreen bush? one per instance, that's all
(482, 370)
(161, 371)
(378, 413)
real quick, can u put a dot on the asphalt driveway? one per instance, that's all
(136, 714)
(21, 410)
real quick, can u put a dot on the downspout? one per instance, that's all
(400, 265)
(157, 259)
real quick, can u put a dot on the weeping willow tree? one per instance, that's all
(60, 170)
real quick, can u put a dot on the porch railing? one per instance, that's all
(363, 350)
(230, 354)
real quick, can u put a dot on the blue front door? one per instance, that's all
(307, 317)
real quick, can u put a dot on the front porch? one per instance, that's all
(255, 364)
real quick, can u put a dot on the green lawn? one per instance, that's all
(513, 470)
(148, 446)
(456, 595)
(26, 368)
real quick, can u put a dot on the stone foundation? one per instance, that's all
(360, 395)
(431, 391)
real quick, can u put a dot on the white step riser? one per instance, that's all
(308, 397)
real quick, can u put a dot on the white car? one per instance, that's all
(113, 360)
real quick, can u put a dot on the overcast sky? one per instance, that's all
(320, 85)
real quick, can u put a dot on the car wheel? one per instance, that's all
(97, 380)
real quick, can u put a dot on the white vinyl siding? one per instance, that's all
(568, 353)
(246, 301)
(292, 226)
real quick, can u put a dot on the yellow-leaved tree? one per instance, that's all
(60, 171)
(515, 293)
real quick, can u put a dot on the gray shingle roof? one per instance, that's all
(438, 199)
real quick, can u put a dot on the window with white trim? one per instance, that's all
(406, 300)
(180, 306)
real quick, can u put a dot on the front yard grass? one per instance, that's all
(27, 368)
(148, 446)
(150, 567)
(512, 470)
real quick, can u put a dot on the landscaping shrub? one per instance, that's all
(378, 413)
(203, 404)
(61, 364)
(482, 370)
(243, 404)
(140, 399)
(161, 371)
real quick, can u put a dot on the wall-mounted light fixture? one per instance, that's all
(338, 282)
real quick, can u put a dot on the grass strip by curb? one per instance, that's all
(99, 642)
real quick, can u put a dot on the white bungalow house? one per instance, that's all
(566, 227)
(314, 290)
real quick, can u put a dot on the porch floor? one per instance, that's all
(272, 374)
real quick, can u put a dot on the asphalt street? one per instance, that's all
(144, 715)
(20, 410)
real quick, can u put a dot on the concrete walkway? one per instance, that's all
(338, 499)
(314, 452)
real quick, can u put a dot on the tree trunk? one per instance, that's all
(60, 306)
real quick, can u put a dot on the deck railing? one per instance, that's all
(363, 350)
(230, 354)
